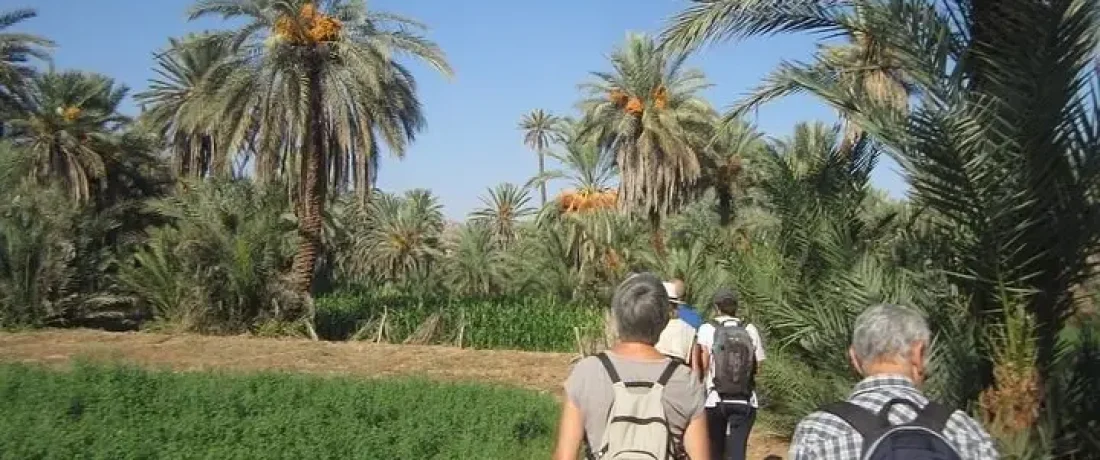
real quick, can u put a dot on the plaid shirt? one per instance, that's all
(824, 436)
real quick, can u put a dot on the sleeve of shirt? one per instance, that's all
(706, 336)
(757, 341)
(577, 381)
(698, 397)
(970, 438)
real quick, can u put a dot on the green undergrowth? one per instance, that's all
(533, 324)
(119, 412)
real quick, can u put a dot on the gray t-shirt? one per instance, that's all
(589, 388)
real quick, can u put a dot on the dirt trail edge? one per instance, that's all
(543, 372)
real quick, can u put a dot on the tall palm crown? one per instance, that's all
(503, 207)
(733, 147)
(540, 129)
(863, 65)
(588, 168)
(16, 50)
(316, 86)
(647, 113)
(179, 100)
(70, 124)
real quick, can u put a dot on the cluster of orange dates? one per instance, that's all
(572, 201)
(69, 113)
(634, 105)
(309, 27)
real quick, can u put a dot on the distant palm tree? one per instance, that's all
(540, 129)
(646, 111)
(16, 50)
(403, 238)
(502, 208)
(70, 125)
(180, 101)
(588, 168)
(475, 262)
(725, 160)
(317, 86)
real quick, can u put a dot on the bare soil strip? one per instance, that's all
(543, 372)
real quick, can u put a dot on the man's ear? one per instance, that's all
(855, 362)
(917, 358)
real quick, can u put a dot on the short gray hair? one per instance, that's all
(639, 309)
(888, 331)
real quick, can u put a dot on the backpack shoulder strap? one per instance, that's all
(611, 372)
(864, 421)
(934, 416)
(673, 363)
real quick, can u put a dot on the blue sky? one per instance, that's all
(509, 57)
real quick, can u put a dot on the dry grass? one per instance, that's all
(542, 372)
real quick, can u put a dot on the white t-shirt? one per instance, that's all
(706, 340)
(677, 339)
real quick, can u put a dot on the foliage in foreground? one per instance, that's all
(122, 412)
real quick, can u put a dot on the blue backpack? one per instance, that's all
(920, 439)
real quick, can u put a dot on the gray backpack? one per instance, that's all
(636, 425)
(734, 358)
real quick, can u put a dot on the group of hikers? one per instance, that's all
(674, 386)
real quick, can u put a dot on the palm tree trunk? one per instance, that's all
(313, 179)
(725, 207)
(542, 171)
(657, 238)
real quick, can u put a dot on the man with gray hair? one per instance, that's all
(886, 412)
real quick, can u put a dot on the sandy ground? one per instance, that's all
(538, 371)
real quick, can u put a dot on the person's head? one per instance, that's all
(726, 302)
(890, 339)
(639, 309)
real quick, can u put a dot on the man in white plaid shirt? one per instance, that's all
(889, 348)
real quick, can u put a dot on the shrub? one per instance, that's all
(122, 412)
(535, 324)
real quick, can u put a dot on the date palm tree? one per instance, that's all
(735, 146)
(16, 51)
(505, 204)
(646, 112)
(178, 103)
(540, 129)
(319, 88)
(587, 168)
(862, 65)
(70, 124)
(403, 238)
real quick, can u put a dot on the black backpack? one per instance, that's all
(734, 357)
(920, 439)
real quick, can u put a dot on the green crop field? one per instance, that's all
(97, 412)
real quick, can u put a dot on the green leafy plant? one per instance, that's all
(119, 412)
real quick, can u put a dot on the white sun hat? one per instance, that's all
(673, 294)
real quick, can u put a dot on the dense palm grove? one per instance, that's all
(244, 190)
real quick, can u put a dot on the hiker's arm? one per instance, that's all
(570, 432)
(696, 442)
(697, 361)
(704, 363)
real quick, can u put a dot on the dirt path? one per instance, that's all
(538, 371)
